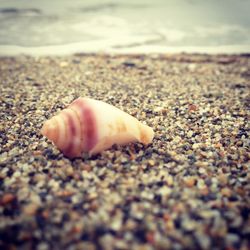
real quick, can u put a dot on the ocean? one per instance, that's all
(133, 26)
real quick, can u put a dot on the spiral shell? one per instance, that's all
(92, 126)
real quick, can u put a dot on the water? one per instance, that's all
(118, 26)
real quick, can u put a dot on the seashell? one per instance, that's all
(88, 125)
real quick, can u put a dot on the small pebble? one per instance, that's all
(7, 198)
(189, 181)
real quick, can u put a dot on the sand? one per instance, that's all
(189, 189)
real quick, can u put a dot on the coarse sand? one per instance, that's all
(189, 189)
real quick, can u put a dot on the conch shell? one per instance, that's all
(92, 126)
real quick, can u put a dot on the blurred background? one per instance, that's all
(131, 26)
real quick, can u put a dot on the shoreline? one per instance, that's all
(103, 48)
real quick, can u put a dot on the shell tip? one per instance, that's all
(49, 130)
(147, 134)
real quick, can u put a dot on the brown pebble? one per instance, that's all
(64, 193)
(192, 108)
(189, 181)
(37, 152)
(164, 111)
(241, 191)
(169, 225)
(93, 205)
(7, 198)
(166, 216)
(150, 237)
(218, 145)
(151, 163)
(77, 229)
(85, 167)
(69, 171)
(222, 178)
(204, 191)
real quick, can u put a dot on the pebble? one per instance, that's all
(116, 224)
(226, 192)
(30, 209)
(122, 245)
(63, 64)
(232, 239)
(7, 198)
(69, 171)
(223, 179)
(190, 134)
(43, 246)
(23, 194)
(203, 241)
(196, 146)
(189, 181)
(107, 242)
(202, 171)
(164, 191)
(169, 180)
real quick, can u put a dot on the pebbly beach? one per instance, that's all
(188, 189)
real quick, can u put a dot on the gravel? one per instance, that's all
(189, 189)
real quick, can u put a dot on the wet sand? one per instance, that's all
(189, 189)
